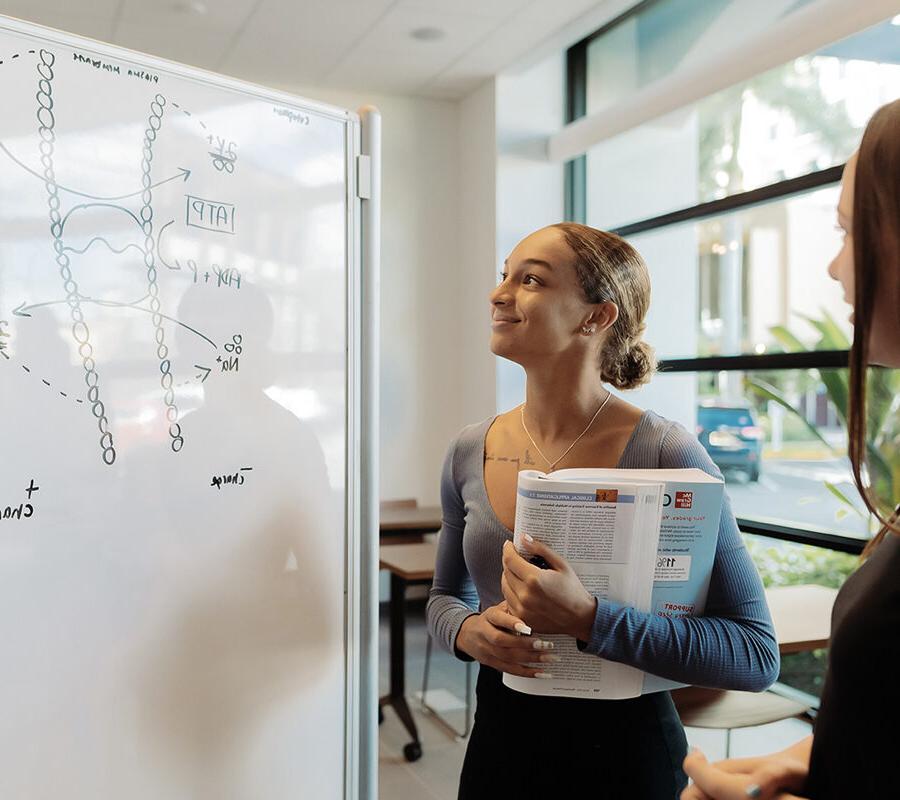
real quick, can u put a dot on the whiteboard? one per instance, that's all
(178, 274)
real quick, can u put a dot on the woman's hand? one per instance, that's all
(771, 777)
(550, 600)
(492, 639)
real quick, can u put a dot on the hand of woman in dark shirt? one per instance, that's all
(773, 777)
(551, 600)
(491, 638)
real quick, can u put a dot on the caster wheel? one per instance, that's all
(412, 751)
(380, 715)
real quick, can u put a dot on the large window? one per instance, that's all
(731, 201)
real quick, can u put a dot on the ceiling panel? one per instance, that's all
(482, 8)
(221, 16)
(340, 22)
(283, 62)
(386, 76)
(197, 48)
(389, 49)
(30, 9)
(93, 18)
(522, 33)
(363, 45)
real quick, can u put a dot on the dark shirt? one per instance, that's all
(855, 753)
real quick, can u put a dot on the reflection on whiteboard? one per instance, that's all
(173, 281)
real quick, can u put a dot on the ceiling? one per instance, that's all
(363, 45)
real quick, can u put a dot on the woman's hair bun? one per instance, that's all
(632, 368)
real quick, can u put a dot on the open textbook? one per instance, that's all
(645, 538)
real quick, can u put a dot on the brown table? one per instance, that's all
(408, 525)
(409, 565)
(802, 616)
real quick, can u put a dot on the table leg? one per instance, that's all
(397, 697)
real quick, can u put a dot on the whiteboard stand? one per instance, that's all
(369, 183)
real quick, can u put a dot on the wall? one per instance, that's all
(420, 355)
(529, 188)
(477, 266)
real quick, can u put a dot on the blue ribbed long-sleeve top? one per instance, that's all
(732, 646)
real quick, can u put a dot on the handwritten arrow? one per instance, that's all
(162, 230)
(183, 174)
(205, 372)
(21, 309)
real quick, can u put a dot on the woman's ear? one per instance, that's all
(603, 316)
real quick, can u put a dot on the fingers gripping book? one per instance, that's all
(643, 538)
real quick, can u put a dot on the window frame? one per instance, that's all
(575, 202)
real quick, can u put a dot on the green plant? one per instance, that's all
(883, 388)
(786, 564)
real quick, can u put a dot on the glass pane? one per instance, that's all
(801, 117)
(780, 439)
(668, 35)
(789, 564)
(754, 281)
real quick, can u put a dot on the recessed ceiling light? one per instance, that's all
(428, 34)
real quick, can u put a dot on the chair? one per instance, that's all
(399, 505)
(425, 707)
(727, 709)
(406, 502)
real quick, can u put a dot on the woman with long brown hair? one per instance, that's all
(852, 753)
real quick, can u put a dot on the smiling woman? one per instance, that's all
(570, 310)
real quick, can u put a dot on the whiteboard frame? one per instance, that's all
(361, 480)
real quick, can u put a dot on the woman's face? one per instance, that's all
(538, 310)
(841, 268)
(884, 331)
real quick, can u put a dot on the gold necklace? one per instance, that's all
(552, 464)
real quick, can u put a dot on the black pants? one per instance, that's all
(523, 747)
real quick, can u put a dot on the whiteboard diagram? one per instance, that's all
(136, 211)
(178, 267)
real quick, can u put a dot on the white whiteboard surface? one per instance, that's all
(177, 266)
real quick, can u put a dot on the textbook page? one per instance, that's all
(608, 532)
(689, 532)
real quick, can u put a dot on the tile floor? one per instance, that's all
(435, 775)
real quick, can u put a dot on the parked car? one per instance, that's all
(731, 436)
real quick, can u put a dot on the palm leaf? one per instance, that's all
(787, 339)
(838, 391)
(880, 392)
(833, 338)
(843, 498)
(769, 392)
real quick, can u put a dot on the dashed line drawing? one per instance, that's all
(27, 369)
(16, 55)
